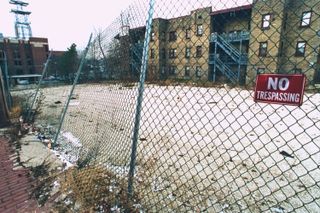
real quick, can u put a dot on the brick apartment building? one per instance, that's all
(179, 47)
(235, 44)
(23, 57)
(285, 38)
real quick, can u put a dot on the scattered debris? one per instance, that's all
(278, 209)
(286, 154)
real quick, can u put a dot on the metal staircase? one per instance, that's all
(233, 52)
(231, 56)
(224, 68)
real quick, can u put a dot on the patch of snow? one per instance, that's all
(71, 138)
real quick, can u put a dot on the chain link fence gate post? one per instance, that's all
(136, 127)
(83, 58)
(30, 117)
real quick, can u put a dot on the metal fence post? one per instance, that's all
(140, 98)
(38, 87)
(72, 89)
(7, 80)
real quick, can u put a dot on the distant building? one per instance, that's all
(22, 57)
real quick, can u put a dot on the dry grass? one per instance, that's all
(93, 189)
(15, 112)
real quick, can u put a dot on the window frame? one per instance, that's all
(302, 20)
(200, 30)
(152, 53)
(172, 53)
(198, 71)
(199, 51)
(152, 36)
(187, 70)
(188, 33)
(188, 52)
(172, 36)
(264, 20)
(263, 51)
(172, 70)
(299, 53)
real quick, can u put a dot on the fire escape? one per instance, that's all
(228, 55)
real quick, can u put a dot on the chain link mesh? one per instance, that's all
(204, 145)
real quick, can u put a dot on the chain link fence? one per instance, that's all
(163, 117)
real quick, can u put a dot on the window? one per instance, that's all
(152, 36)
(198, 71)
(199, 51)
(199, 30)
(163, 70)
(46, 47)
(172, 70)
(260, 70)
(163, 36)
(29, 61)
(163, 53)
(17, 62)
(152, 54)
(297, 70)
(187, 71)
(1, 54)
(300, 48)
(188, 52)
(266, 19)
(188, 33)
(305, 19)
(19, 72)
(172, 53)
(16, 54)
(172, 36)
(263, 48)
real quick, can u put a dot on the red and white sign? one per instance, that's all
(280, 89)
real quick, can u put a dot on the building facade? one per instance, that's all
(236, 44)
(285, 38)
(23, 57)
(179, 47)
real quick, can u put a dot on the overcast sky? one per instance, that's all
(64, 22)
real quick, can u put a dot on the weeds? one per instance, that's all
(94, 189)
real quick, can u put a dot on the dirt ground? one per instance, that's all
(199, 149)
